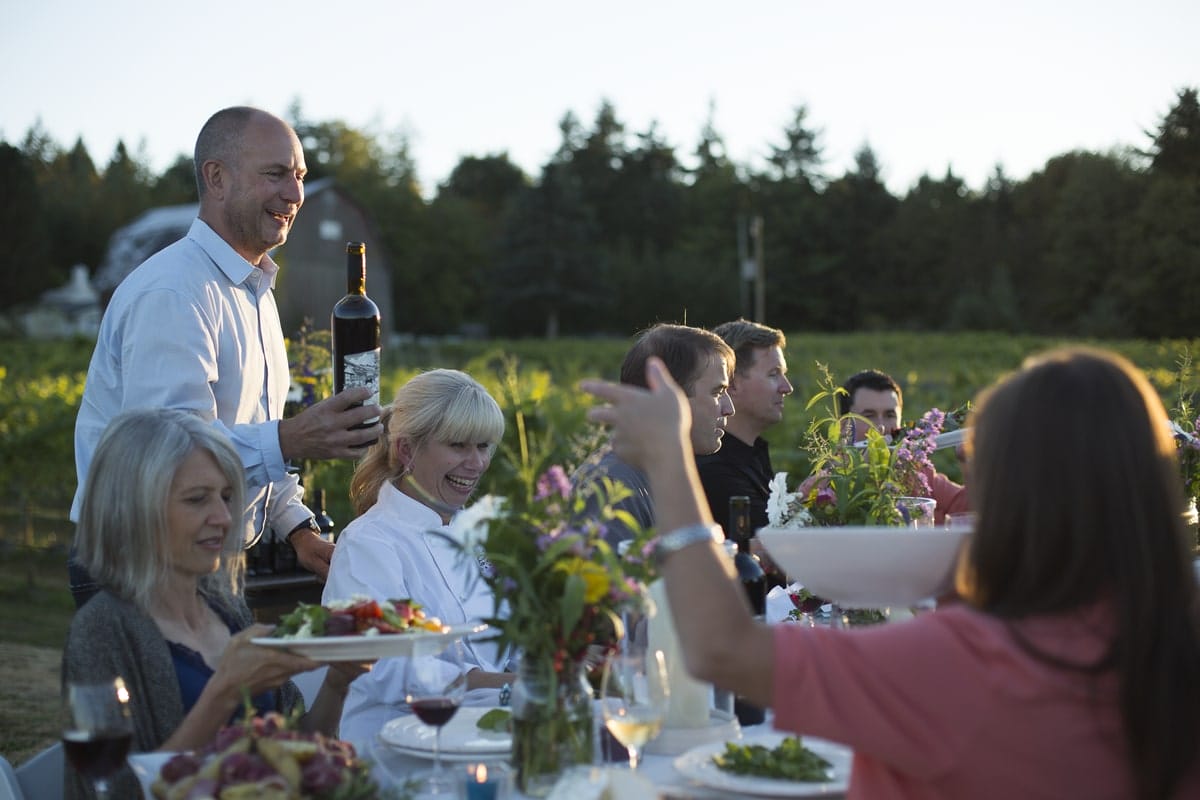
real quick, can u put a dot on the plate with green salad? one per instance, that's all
(770, 765)
(362, 629)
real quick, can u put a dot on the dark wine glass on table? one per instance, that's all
(97, 730)
(434, 688)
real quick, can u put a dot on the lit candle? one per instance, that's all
(479, 787)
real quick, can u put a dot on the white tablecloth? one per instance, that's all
(392, 767)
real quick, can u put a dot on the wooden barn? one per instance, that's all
(312, 264)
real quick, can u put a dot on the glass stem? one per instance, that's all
(634, 757)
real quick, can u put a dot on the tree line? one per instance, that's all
(615, 232)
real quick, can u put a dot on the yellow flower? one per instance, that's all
(595, 579)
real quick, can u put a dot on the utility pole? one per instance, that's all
(752, 275)
(760, 274)
(746, 269)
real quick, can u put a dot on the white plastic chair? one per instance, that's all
(309, 683)
(42, 776)
(10, 788)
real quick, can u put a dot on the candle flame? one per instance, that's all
(481, 773)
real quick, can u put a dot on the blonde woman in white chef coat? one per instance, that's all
(441, 432)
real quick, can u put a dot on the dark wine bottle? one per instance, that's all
(749, 570)
(356, 329)
(754, 582)
(324, 521)
(283, 557)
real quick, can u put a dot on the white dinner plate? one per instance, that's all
(941, 441)
(369, 648)
(698, 765)
(462, 739)
(867, 566)
(950, 438)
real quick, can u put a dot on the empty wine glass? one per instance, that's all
(97, 730)
(434, 687)
(634, 694)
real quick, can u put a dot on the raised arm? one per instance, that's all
(721, 642)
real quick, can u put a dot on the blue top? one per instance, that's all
(193, 673)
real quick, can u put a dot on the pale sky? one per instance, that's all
(929, 85)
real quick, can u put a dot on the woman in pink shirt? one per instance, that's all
(1071, 668)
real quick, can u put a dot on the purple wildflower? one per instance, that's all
(553, 481)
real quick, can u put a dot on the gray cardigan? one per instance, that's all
(110, 636)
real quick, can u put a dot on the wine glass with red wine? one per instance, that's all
(97, 730)
(434, 688)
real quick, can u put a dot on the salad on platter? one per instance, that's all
(789, 760)
(357, 616)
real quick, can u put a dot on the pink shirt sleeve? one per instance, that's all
(905, 694)
(950, 496)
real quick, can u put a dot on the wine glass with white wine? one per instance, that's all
(634, 694)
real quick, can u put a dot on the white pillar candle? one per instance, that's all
(688, 707)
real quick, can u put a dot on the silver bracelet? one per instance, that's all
(674, 541)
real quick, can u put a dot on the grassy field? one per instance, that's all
(35, 611)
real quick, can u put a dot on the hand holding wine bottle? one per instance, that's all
(332, 428)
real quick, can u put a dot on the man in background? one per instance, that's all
(195, 327)
(876, 397)
(700, 362)
(757, 388)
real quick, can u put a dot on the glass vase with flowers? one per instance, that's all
(559, 591)
(859, 477)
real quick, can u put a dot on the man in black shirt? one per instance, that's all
(757, 387)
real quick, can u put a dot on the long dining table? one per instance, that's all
(392, 768)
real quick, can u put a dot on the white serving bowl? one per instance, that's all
(867, 566)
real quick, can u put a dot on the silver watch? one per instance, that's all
(688, 535)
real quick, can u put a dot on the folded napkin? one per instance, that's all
(779, 604)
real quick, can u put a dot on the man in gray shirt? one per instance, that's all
(700, 362)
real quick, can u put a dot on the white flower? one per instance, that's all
(470, 528)
(784, 508)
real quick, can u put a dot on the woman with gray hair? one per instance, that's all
(442, 429)
(157, 530)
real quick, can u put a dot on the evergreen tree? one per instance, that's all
(1176, 145)
(549, 276)
(23, 246)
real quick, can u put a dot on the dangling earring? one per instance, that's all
(405, 463)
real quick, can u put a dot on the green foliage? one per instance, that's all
(37, 466)
(535, 382)
(860, 481)
(1186, 421)
(33, 594)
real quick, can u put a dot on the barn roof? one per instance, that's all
(152, 231)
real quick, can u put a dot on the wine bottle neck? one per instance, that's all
(356, 273)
